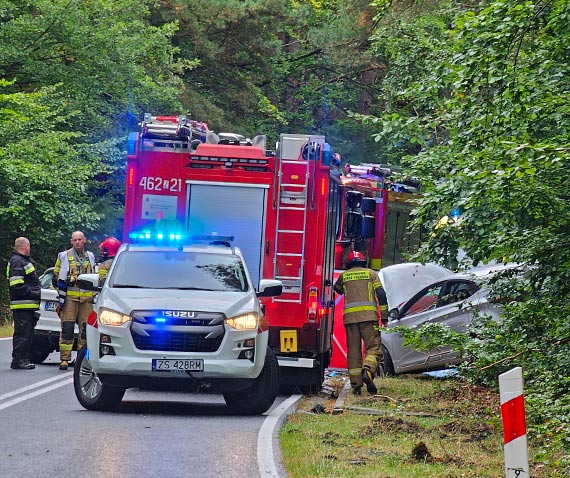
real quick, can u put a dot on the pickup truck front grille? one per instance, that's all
(203, 332)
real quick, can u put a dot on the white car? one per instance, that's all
(178, 318)
(420, 294)
(48, 327)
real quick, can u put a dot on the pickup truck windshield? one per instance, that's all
(179, 270)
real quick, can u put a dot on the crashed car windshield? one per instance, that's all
(179, 270)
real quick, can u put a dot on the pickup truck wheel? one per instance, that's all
(40, 349)
(388, 366)
(89, 390)
(258, 398)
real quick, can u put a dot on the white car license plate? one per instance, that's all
(172, 365)
(51, 305)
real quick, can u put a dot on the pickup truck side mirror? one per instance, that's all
(89, 282)
(270, 288)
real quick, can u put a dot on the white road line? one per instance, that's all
(265, 456)
(32, 386)
(6, 338)
(36, 393)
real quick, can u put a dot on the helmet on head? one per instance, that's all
(110, 246)
(355, 258)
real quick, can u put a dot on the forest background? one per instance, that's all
(471, 97)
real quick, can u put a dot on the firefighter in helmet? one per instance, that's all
(109, 248)
(75, 304)
(363, 293)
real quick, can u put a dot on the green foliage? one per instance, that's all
(110, 63)
(43, 174)
(481, 115)
(75, 77)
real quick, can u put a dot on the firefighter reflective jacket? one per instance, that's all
(68, 266)
(363, 294)
(25, 286)
(104, 270)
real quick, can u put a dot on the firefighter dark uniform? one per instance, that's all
(363, 294)
(75, 304)
(25, 294)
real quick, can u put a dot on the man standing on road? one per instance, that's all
(75, 304)
(25, 295)
(363, 294)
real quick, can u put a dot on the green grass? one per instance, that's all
(413, 427)
(6, 330)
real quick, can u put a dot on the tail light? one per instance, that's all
(313, 304)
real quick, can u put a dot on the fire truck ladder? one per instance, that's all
(292, 202)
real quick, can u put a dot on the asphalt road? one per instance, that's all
(45, 432)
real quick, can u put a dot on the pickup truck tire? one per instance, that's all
(40, 349)
(258, 398)
(89, 390)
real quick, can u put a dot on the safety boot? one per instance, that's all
(63, 365)
(368, 379)
(22, 365)
(356, 390)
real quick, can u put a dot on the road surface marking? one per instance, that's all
(265, 456)
(65, 381)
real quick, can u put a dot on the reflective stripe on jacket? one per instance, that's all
(359, 286)
(67, 269)
(24, 282)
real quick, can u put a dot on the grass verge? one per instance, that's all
(6, 330)
(416, 426)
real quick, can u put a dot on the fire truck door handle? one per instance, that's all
(267, 247)
(328, 282)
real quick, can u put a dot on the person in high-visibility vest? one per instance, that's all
(109, 248)
(363, 296)
(25, 294)
(75, 304)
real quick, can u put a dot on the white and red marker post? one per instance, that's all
(514, 423)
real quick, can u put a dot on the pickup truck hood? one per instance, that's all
(402, 281)
(127, 300)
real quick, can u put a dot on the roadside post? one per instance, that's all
(514, 423)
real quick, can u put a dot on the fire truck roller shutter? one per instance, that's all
(231, 210)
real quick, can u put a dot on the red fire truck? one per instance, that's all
(385, 208)
(283, 209)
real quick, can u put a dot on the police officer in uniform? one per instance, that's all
(25, 294)
(363, 293)
(109, 248)
(75, 304)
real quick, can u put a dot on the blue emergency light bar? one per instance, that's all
(176, 238)
(156, 237)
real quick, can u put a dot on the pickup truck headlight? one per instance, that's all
(110, 317)
(243, 322)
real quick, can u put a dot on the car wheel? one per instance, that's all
(388, 365)
(258, 398)
(89, 390)
(40, 349)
